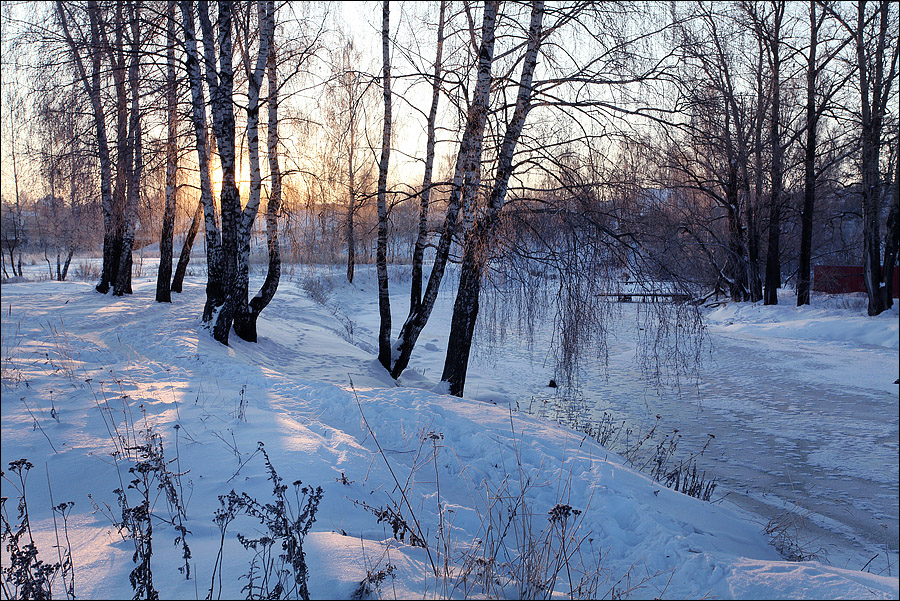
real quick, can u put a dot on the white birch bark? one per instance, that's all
(384, 299)
(214, 287)
(466, 179)
(483, 234)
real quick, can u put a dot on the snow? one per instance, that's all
(834, 318)
(313, 393)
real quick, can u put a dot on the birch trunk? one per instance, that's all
(466, 179)
(482, 236)
(384, 299)
(215, 290)
(221, 85)
(244, 325)
(273, 207)
(415, 293)
(164, 274)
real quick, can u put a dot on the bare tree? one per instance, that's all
(92, 87)
(425, 195)
(244, 318)
(215, 285)
(273, 206)
(874, 35)
(348, 95)
(13, 230)
(184, 257)
(228, 249)
(768, 28)
(485, 230)
(820, 92)
(133, 153)
(384, 298)
(713, 156)
(163, 276)
(466, 180)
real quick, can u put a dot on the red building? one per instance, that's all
(840, 279)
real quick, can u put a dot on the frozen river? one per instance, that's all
(806, 431)
(805, 427)
(802, 404)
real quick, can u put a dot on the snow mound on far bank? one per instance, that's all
(829, 318)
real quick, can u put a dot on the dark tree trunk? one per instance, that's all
(185, 257)
(809, 166)
(351, 208)
(773, 250)
(736, 263)
(875, 92)
(124, 153)
(65, 269)
(465, 314)
(133, 194)
(891, 242)
(466, 179)
(481, 237)
(384, 299)
(754, 204)
(124, 150)
(164, 274)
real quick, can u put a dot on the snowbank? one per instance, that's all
(85, 377)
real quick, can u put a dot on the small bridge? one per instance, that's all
(630, 297)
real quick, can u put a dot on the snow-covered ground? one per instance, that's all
(82, 372)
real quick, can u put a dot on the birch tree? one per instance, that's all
(384, 298)
(482, 235)
(465, 184)
(214, 285)
(91, 84)
(244, 319)
(227, 305)
(415, 291)
(273, 206)
(164, 274)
